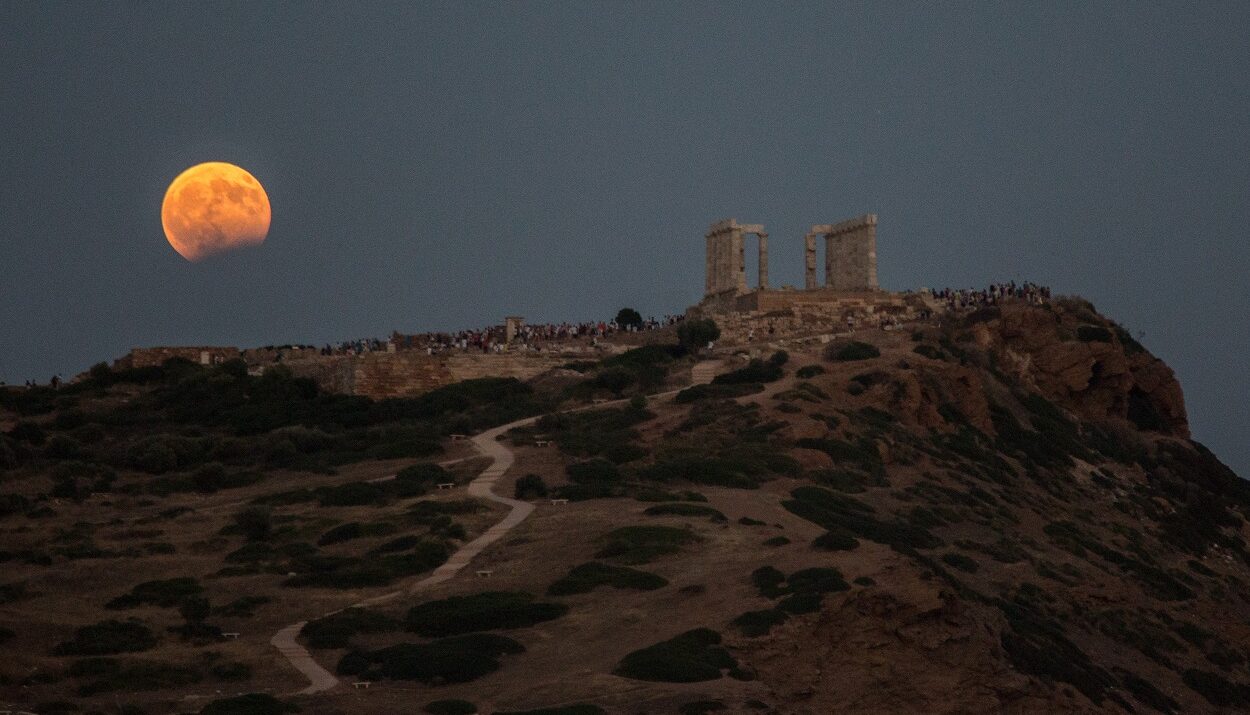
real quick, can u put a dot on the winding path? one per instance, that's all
(488, 445)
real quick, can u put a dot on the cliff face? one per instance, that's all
(1085, 363)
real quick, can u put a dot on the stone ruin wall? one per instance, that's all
(811, 314)
(154, 357)
(375, 375)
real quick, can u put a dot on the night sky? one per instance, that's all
(437, 166)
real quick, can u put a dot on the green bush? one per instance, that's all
(837, 512)
(255, 523)
(759, 623)
(165, 593)
(371, 571)
(1217, 689)
(1093, 334)
(756, 371)
(854, 350)
(352, 494)
(6, 634)
(108, 638)
(929, 351)
(697, 510)
(342, 532)
(595, 471)
(641, 544)
(809, 371)
(578, 709)
(836, 540)
(250, 704)
(490, 610)
(530, 486)
(691, 657)
(961, 562)
(716, 392)
(458, 659)
(777, 541)
(337, 629)
(111, 675)
(696, 334)
(589, 576)
(450, 707)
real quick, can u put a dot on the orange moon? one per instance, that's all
(214, 207)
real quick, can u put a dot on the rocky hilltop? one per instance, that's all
(997, 510)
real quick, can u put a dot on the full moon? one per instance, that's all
(214, 207)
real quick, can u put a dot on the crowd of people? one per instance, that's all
(968, 299)
(528, 336)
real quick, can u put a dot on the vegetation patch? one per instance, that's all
(108, 638)
(165, 593)
(458, 659)
(111, 675)
(679, 509)
(642, 544)
(758, 623)
(337, 629)
(590, 433)
(807, 372)
(716, 391)
(348, 572)
(578, 709)
(691, 657)
(835, 540)
(589, 576)
(837, 512)
(961, 562)
(450, 707)
(490, 610)
(250, 704)
(851, 351)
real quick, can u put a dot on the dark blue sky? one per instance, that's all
(442, 165)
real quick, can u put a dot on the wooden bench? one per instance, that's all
(554, 502)
(447, 485)
(484, 573)
(362, 684)
(231, 635)
(541, 442)
(457, 437)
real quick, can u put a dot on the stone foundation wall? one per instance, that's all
(405, 374)
(782, 315)
(150, 357)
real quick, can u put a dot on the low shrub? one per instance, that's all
(341, 572)
(595, 471)
(250, 704)
(458, 659)
(777, 541)
(450, 707)
(696, 510)
(754, 372)
(337, 629)
(589, 576)
(836, 540)
(490, 610)
(7, 634)
(112, 675)
(758, 623)
(720, 391)
(807, 372)
(1093, 334)
(578, 709)
(165, 593)
(842, 513)
(691, 657)
(1218, 690)
(961, 562)
(848, 352)
(108, 638)
(530, 486)
(641, 544)
(352, 494)
(243, 607)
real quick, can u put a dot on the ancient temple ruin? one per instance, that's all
(850, 267)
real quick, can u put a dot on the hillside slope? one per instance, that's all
(1000, 511)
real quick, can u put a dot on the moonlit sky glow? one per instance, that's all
(441, 165)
